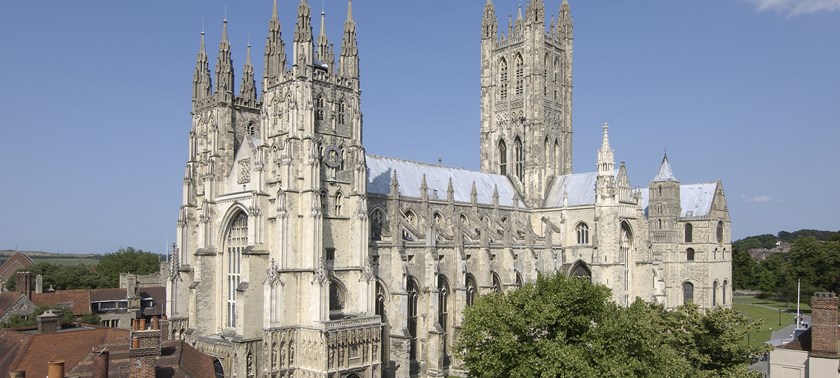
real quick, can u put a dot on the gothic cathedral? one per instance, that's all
(301, 255)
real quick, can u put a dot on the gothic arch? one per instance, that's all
(496, 286)
(688, 292)
(472, 289)
(338, 297)
(378, 223)
(502, 157)
(413, 292)
(519, 74)
(233, 244)
(582, 233)
(231, 213)
(580, 270)
(504, 78)
(444, 299)
(519, 159)
(715, 286)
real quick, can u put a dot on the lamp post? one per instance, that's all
(780, 317)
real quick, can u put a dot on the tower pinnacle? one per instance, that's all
(202, 86)
(606, 161)
(275, 51)
(349, 59)
(224, 69)
(248, 89)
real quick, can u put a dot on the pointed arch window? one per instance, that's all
(545, 75)
(719, 232)
(689, 231)
(502, 158)
(503, 79)
(580, 270)
(555, 158)
(341, 112)
(497, 283)
(556, 76)
(472, 289)
(338, 298)
(626, 242)
(519, 159)
(324, 202)
(582, 230)
(236, 241)
(443, 313)
(688, 293)
(377, 223)
(413, 295)
(519, 67)
(337, 204)
(518, 280)
(547, 156)
(689, 254)
(319, 108)
(381, 298)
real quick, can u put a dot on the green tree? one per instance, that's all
(569, 327)
(126, 260)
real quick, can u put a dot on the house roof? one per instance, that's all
(9, 299)
(77, 301)
(32, 352)
(17, 261)
(108, 295)
(158, 296)
(177, 360)
(410, 176)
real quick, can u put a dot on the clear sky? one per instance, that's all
(95, 102)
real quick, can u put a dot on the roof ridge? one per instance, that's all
(428, 164)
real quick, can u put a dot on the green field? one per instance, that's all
(757, 309)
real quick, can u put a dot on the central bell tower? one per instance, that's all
(526, 98)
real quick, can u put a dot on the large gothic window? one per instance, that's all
(626, 242)
(443, 313)
(580, 270)
(688, 293)
(377, 223)
(381, 298)
(556, 76)
(236, 241)
(503, 79)
(689, 231)
(413, 296)
(502, 158)
(519, 157)
(472, 289)
(519, 66)
(582, 230)
(497, 283)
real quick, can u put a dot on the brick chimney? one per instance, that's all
(23, 283)
(145, 348)
(100, 363)
(824, 307)
(48, 322)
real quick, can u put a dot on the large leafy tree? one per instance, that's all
(569, 327)
(126, 260)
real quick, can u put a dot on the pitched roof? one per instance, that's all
(32, 352)
(695, 199)
(158, 296)
(77, 301)
(665, 172)
(17, 261)
(9, 299)
(410, 176)
(579, 189)
(108, 295)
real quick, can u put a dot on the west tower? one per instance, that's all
(526, 98)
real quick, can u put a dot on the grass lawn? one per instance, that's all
(757, 309)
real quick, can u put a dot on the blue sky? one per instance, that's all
(96, 102)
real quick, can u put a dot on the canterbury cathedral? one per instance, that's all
(299, 254)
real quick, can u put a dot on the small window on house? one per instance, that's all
(689, 254)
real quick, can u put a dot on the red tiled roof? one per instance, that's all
(7, 300)
(77, 301)
(33, 352)
(17, 261)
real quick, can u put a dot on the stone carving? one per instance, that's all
(244, 171)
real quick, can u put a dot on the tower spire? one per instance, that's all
(248, 89)
(489, 24)
(324, 53)
(202, 86)
(606, 160)
(665, 173)
(224, 68)
(303, 38)
(349, 59)
(275, 51)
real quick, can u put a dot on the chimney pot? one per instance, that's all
(56, 369)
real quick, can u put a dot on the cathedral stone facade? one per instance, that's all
(301, 255)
